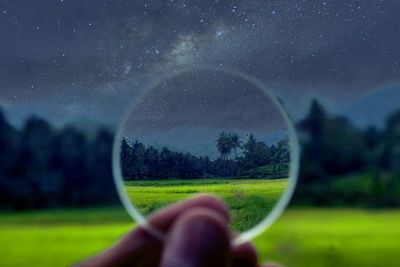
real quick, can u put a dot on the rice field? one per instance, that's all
(249, 201)
(300, 238)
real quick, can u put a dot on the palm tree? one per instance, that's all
(223, 145)
(250, 146)
(235, 142)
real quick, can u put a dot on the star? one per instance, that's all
(126, 44)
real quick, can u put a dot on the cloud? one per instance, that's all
(338, 50)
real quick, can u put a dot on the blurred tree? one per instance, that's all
(33, 162)
(70, 161)
(101, 188)
(311, 131)
(340, 164)
(392, 138)
(9, 139)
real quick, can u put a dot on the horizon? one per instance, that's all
(204, 146)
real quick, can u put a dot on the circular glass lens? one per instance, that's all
(207, 131)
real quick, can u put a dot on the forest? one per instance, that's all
(43, 167)
(256, 160)
(343, 165)
(46, 167)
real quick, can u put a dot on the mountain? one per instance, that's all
(374, 108)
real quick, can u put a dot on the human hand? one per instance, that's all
(196, 233)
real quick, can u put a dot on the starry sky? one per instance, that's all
(204, 98)
(72, 59)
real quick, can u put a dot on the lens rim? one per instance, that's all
(294, 154)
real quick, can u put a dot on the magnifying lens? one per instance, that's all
(207, 130)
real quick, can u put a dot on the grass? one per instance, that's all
(301, 237)
(249, 201)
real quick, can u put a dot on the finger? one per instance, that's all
(199, 238)
(141, 246)
(244, 255)
(163, 219)
(138, 247)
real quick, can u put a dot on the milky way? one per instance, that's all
(68, 59)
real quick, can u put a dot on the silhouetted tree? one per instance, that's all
(100, 181)
(235, 142)
(224, 145)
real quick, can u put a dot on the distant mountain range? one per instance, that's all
(200, 140)
(374, 108)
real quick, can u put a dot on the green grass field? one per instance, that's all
(301, 237)
(249, 201)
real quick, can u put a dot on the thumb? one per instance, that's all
(199, 238)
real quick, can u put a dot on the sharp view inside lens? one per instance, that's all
(206, 132)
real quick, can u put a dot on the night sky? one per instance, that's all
(68, 59)
(205, 98)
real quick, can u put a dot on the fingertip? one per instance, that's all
(244, 255)
(165, 218)
(212, 202)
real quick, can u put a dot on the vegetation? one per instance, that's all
(345, 165)
(249, 201)
(139, 162)
(226, 142)
(43, 167)
(300, 238)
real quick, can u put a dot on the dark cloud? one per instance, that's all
(101, 53)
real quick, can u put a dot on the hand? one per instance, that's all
(196, 233)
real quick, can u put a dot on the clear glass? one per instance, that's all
(207, 130)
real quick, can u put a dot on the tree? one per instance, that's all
(392, 137)
(162, 163)
(235, 142)
(151, 163)
(138, 157)
(126, 159)
(284, 150)
(9, 139)
(100, 169)
(166, 163)
(33, 160)
(224, 145)
(249, 148)
(70, 162)
(311, 132)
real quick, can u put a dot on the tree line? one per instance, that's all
(139, 162)
(345, 165)
(42, 167)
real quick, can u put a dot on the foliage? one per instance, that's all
(43, 167)
(139, 162)
(272, 170)
(333, 150)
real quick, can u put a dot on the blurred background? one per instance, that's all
(69, 69)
